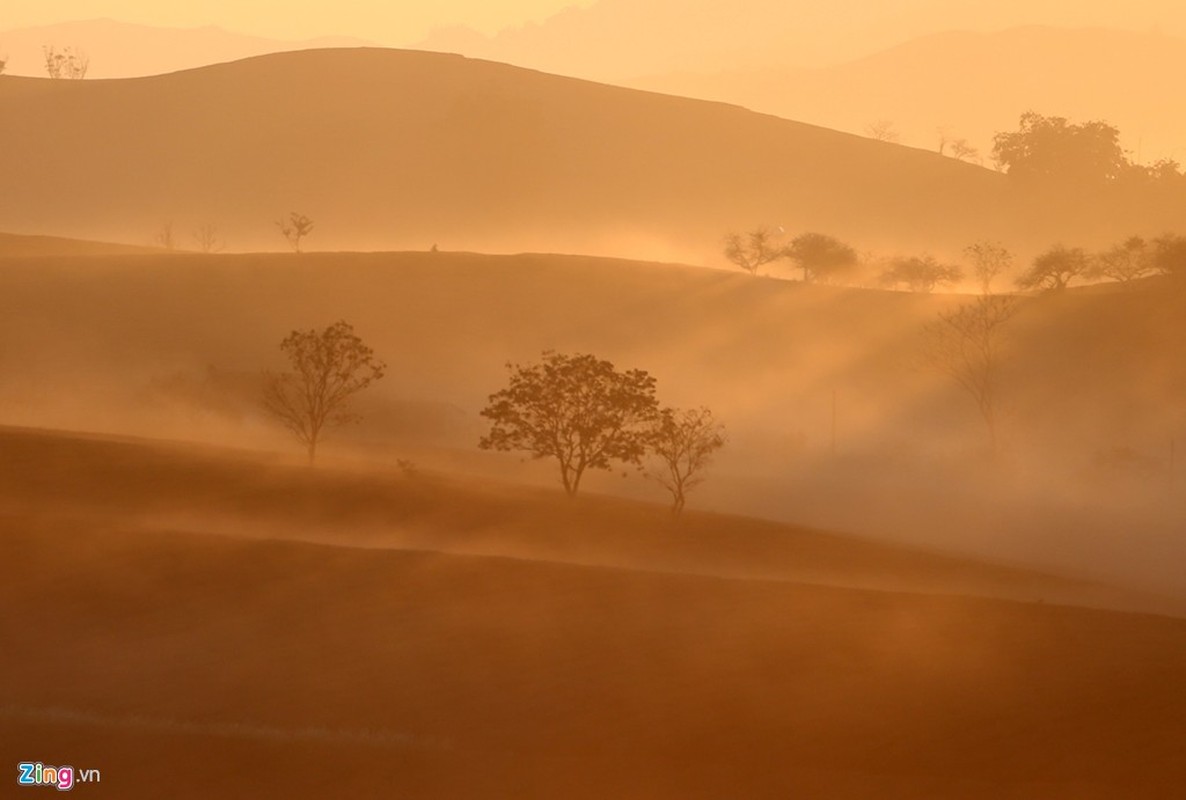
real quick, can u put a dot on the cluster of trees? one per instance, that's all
(586, 414)
(205, 238)
(69, 62)
(1052, 151)
(577, 409)
(294, 227)
(919, 273)
(822, 258)
(826, 259)
(957, 147)
(1130, 260)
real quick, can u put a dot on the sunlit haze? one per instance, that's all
(631, 399)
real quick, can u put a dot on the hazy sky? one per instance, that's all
(397, 22)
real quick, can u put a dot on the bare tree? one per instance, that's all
(1055, 269)
(961, 150)
(1124, 263)
(989, 261)
(3, 63)
(69, 62)
(753, 251)
(577, 409)
(944, 139)
(207, 239)
(882, 130)
(919, 273)
(328, 368)
(164, 237)
(294, 228)
(684, 441)
(965, 344)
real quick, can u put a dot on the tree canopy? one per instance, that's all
(1125, 262)
(328, 368)
(920, 273)
(578, 409)
(821, 257)
(1054, 269)
(1169, 255)
(1055, 151)
(754, 250)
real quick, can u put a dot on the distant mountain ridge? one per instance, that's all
(974, 84)
(617, 40)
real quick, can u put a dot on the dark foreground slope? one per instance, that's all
(141, 484)
(200, 665)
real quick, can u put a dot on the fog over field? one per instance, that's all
(384, 422)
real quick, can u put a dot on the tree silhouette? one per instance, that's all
(1124, 263)
(1055, 151)
(684, 441)
(753, 251)
(989, 261)
(882, 130)
(70, 62)
(821, 257)
(961, 150)
(328, 368)
(294, 228)
(1055, 269)
(919, 273)
(577, 409)
(965, 344)
(206, 237)
(1169, 255)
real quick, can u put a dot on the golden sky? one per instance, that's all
(385, 21)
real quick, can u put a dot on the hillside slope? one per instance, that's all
(390, 148)
(146, 484)
(22, 247)
(174, 345)
(150, 651)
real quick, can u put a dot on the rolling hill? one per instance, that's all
(405, 149)
(173, 345)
